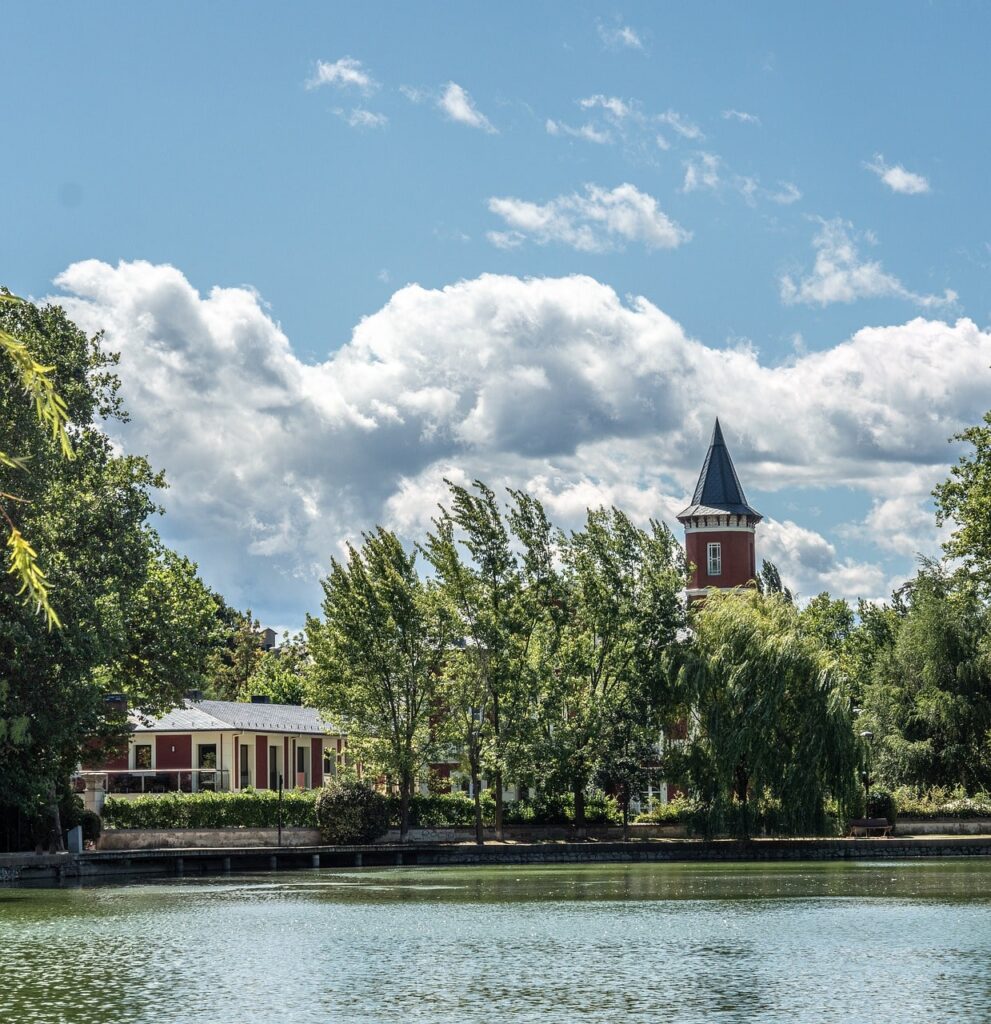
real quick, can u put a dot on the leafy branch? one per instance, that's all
(53, 415)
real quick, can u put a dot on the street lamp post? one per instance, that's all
(865, 775)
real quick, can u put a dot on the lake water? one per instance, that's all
(900, 941)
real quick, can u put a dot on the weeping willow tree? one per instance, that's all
(770, 715)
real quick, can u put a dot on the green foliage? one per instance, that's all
(881, 804)
(378, 654)
(284, 675)
(246, 808)
(606, 694)
(92, 825)
(769, 581)
(675, 812)
(770, 714)
(122, 599)
(497, 575)
(52, 414)
(236, 654)
(350, 813)
(964, 499)
(559, 809)
(928, 700)
(941, 802)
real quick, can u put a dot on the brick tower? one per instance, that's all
(719, 526)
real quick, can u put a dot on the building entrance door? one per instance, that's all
(273, 767)
(243, 766)
(206, 759)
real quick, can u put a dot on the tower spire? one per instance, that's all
(719, 525)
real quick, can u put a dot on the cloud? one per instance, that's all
(839, 274)
(458, 106)
(619, 109)
(786, 194)
(344, 73)
(682, 125)
(588, 132)
(594, 221)
(742, 116)
(895, 176)
(359, 117)
(555, 384)
(619, 36)
(702, 172)
(707, 172)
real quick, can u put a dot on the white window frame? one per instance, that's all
(714, 558)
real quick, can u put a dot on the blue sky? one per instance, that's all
(797, 195)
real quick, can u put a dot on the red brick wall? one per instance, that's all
(739, 565)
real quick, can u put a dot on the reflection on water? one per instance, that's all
(905, 941)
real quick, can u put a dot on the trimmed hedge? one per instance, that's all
(247, 808)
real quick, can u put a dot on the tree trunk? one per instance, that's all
(405, 787)
(626, 812)
(742, 788)
(55, 843)
(497, 781)
(477, 790)
(579, 808)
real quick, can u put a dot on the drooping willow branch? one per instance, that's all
(53, 414)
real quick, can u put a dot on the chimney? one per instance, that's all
(194, 695)
(116, 703)
(260, 698)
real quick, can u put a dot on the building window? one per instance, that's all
(715, 559)
(142, 755)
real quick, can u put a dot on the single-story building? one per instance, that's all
(222, 745)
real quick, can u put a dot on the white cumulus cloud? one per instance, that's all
(595, 220)
(344, 73)
(555, 384)
(898, 179)
(459, 106)
(839, 274)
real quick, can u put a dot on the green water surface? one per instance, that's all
(900, 941)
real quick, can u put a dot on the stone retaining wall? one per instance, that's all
(204, 838)
(943, 827)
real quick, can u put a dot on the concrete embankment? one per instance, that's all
(109, 865)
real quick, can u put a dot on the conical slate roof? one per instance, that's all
(718, 491)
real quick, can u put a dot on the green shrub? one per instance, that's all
(247, 808)
(92, 826)
(941, 802)
(881, 804)
(351, 812)
(436, 810)
(674, 812)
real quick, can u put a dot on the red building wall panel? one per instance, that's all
(739, 562)
(261, 762)
(316, 762)
(173, 752)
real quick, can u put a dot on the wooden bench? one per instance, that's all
(869, 827)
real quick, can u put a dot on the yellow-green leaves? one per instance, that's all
(53, 414)
(34, 585)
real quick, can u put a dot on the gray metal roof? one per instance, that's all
(718, 490)
(216, 715)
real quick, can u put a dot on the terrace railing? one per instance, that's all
(146, 780)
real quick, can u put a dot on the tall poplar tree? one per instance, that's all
(378, 655)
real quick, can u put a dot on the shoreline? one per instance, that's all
(48, 870)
